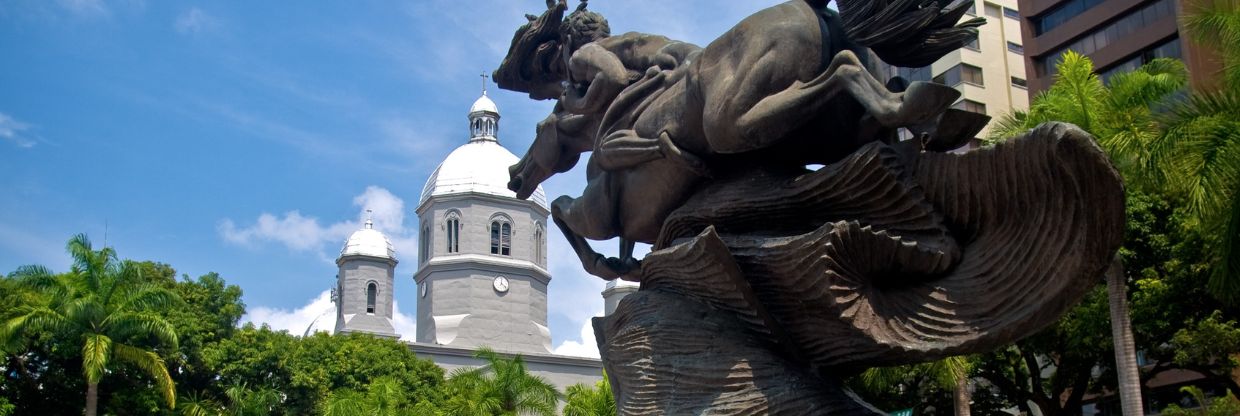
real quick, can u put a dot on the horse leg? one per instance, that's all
(568, 215)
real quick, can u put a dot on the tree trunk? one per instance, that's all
(962, 396)
(92, 398)
(1125, 351)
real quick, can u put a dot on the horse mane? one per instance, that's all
(908, 33)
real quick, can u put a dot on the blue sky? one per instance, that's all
(247, 138)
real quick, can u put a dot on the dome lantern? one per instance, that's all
(483, 117)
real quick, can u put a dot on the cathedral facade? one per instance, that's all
(482, 275)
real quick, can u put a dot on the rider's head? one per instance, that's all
(584, 26)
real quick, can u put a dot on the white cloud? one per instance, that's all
(319, 315)
(301, 233)
(586, 347)
(15, 131)
(195, 21)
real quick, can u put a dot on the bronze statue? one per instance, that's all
(769, 281)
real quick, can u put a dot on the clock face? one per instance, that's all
(501, 284)
(424, 285)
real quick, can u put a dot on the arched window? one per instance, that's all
(454, 233)
(501, 237)
(538, 243)
(424, 244)
(371, 292)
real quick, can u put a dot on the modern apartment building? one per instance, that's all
(990, 73)
(1118, 35)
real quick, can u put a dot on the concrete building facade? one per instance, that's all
(364, 284)
(1118, 35)
(989, 73)
(482, 276)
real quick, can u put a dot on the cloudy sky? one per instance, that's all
(248, 138)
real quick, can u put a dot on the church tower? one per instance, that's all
(364, 283)
(482, 267)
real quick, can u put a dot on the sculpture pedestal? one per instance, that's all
(761, 304)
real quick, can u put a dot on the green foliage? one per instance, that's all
(1220, 406)
(502, 387)
(309, 370)
(583, 400)
(1217, 23)
(106, 306)
(383, 397)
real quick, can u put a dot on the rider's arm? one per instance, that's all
(604, 77)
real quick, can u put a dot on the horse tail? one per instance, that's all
(908, 33)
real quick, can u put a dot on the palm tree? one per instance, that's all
(1200, 147)
(1122, 117)
(502, 387)
(104, 303)
(950, 373)
(583, 400)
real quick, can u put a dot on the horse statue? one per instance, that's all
(785, 86)
(769, 282)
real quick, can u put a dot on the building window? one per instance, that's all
(1168, 49)
(1019, 82)
(960, 73)
(993, 10)
(371, 292)
(914, 74)
(453, 232)
(1061, 14)
(501, 238)
(974, 45)
(970, 106)
(1016, 48)
(538, 244)
(1104, 36)
(1011, 14)
(424, 244)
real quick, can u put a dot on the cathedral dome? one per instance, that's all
(368, 242)
(479, 166)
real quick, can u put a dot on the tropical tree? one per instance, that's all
(583, 400)
(1121, 117)
(883, 385)
(1219, 406)
(104, 304)
(1199, 151)
(502, 387)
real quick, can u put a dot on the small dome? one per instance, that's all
(368, 242)
(479, 166)
(484, 104)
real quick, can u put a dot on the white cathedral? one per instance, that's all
(482, 267)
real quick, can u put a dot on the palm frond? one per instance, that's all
(1215, 22)
(1008, 125)
(141, 325)
(97, 349)
(149, 296)
(197, 405)
(152, 365)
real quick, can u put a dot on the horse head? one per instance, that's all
(553, 151)
(535, 60)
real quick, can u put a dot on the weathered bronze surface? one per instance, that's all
(770, 281)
